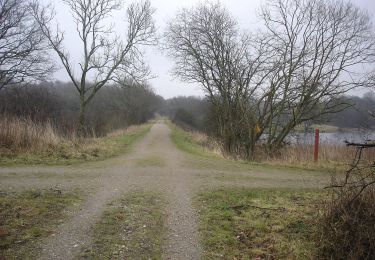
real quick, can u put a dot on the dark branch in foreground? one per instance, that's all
(359, 145)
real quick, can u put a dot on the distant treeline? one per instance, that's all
(114, 107)
(194, 112)
(118, 106)
(361, 113)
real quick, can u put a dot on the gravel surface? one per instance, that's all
(107, 180)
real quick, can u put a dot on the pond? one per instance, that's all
(336, 138)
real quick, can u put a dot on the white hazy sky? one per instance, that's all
(164, 83)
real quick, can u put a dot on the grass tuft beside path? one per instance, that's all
(25, 217)
(131, 228)
(184, 141)
(84, 151)
(258, 223)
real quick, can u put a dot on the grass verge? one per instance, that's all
(185, 141)
(131, 228)
(258, 223)
(195, 144)
(28, 216)
(68, 153)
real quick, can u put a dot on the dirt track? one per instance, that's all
(154, 165)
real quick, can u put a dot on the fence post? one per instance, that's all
(316, 146)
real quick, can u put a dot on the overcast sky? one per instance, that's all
(164, 83)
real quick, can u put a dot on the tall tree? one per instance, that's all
(209, 49)
(305, 57)
(318, 49)
(23, 47)
(106, 56)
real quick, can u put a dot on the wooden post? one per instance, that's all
(316, 146)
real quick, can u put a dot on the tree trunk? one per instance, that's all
(82, 117)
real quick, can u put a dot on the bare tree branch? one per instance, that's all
(23, 47)
(106, 57)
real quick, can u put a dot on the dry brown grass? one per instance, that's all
(301, 153)
(125, 131)
(210, 144)
(23, 141)
(22, 134)
(330, 155)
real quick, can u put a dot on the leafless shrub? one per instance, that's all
(347, 226)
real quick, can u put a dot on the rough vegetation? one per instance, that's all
(347, 227)
(130, 228)
(28, 216)
(25, 142)
(292, 74)
(332, 158)
(259, 223)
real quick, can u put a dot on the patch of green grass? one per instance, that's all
(89, 150)
(258, 223)
(151, 161)
(185, 142)
(25, 217)
(131, 228)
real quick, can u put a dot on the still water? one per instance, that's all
(337, 138)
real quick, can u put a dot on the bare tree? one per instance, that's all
(106, 57)
(317, 49)
(292, 71)
(209, 49)
(23, 48)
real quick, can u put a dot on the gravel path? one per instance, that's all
(164, 169)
